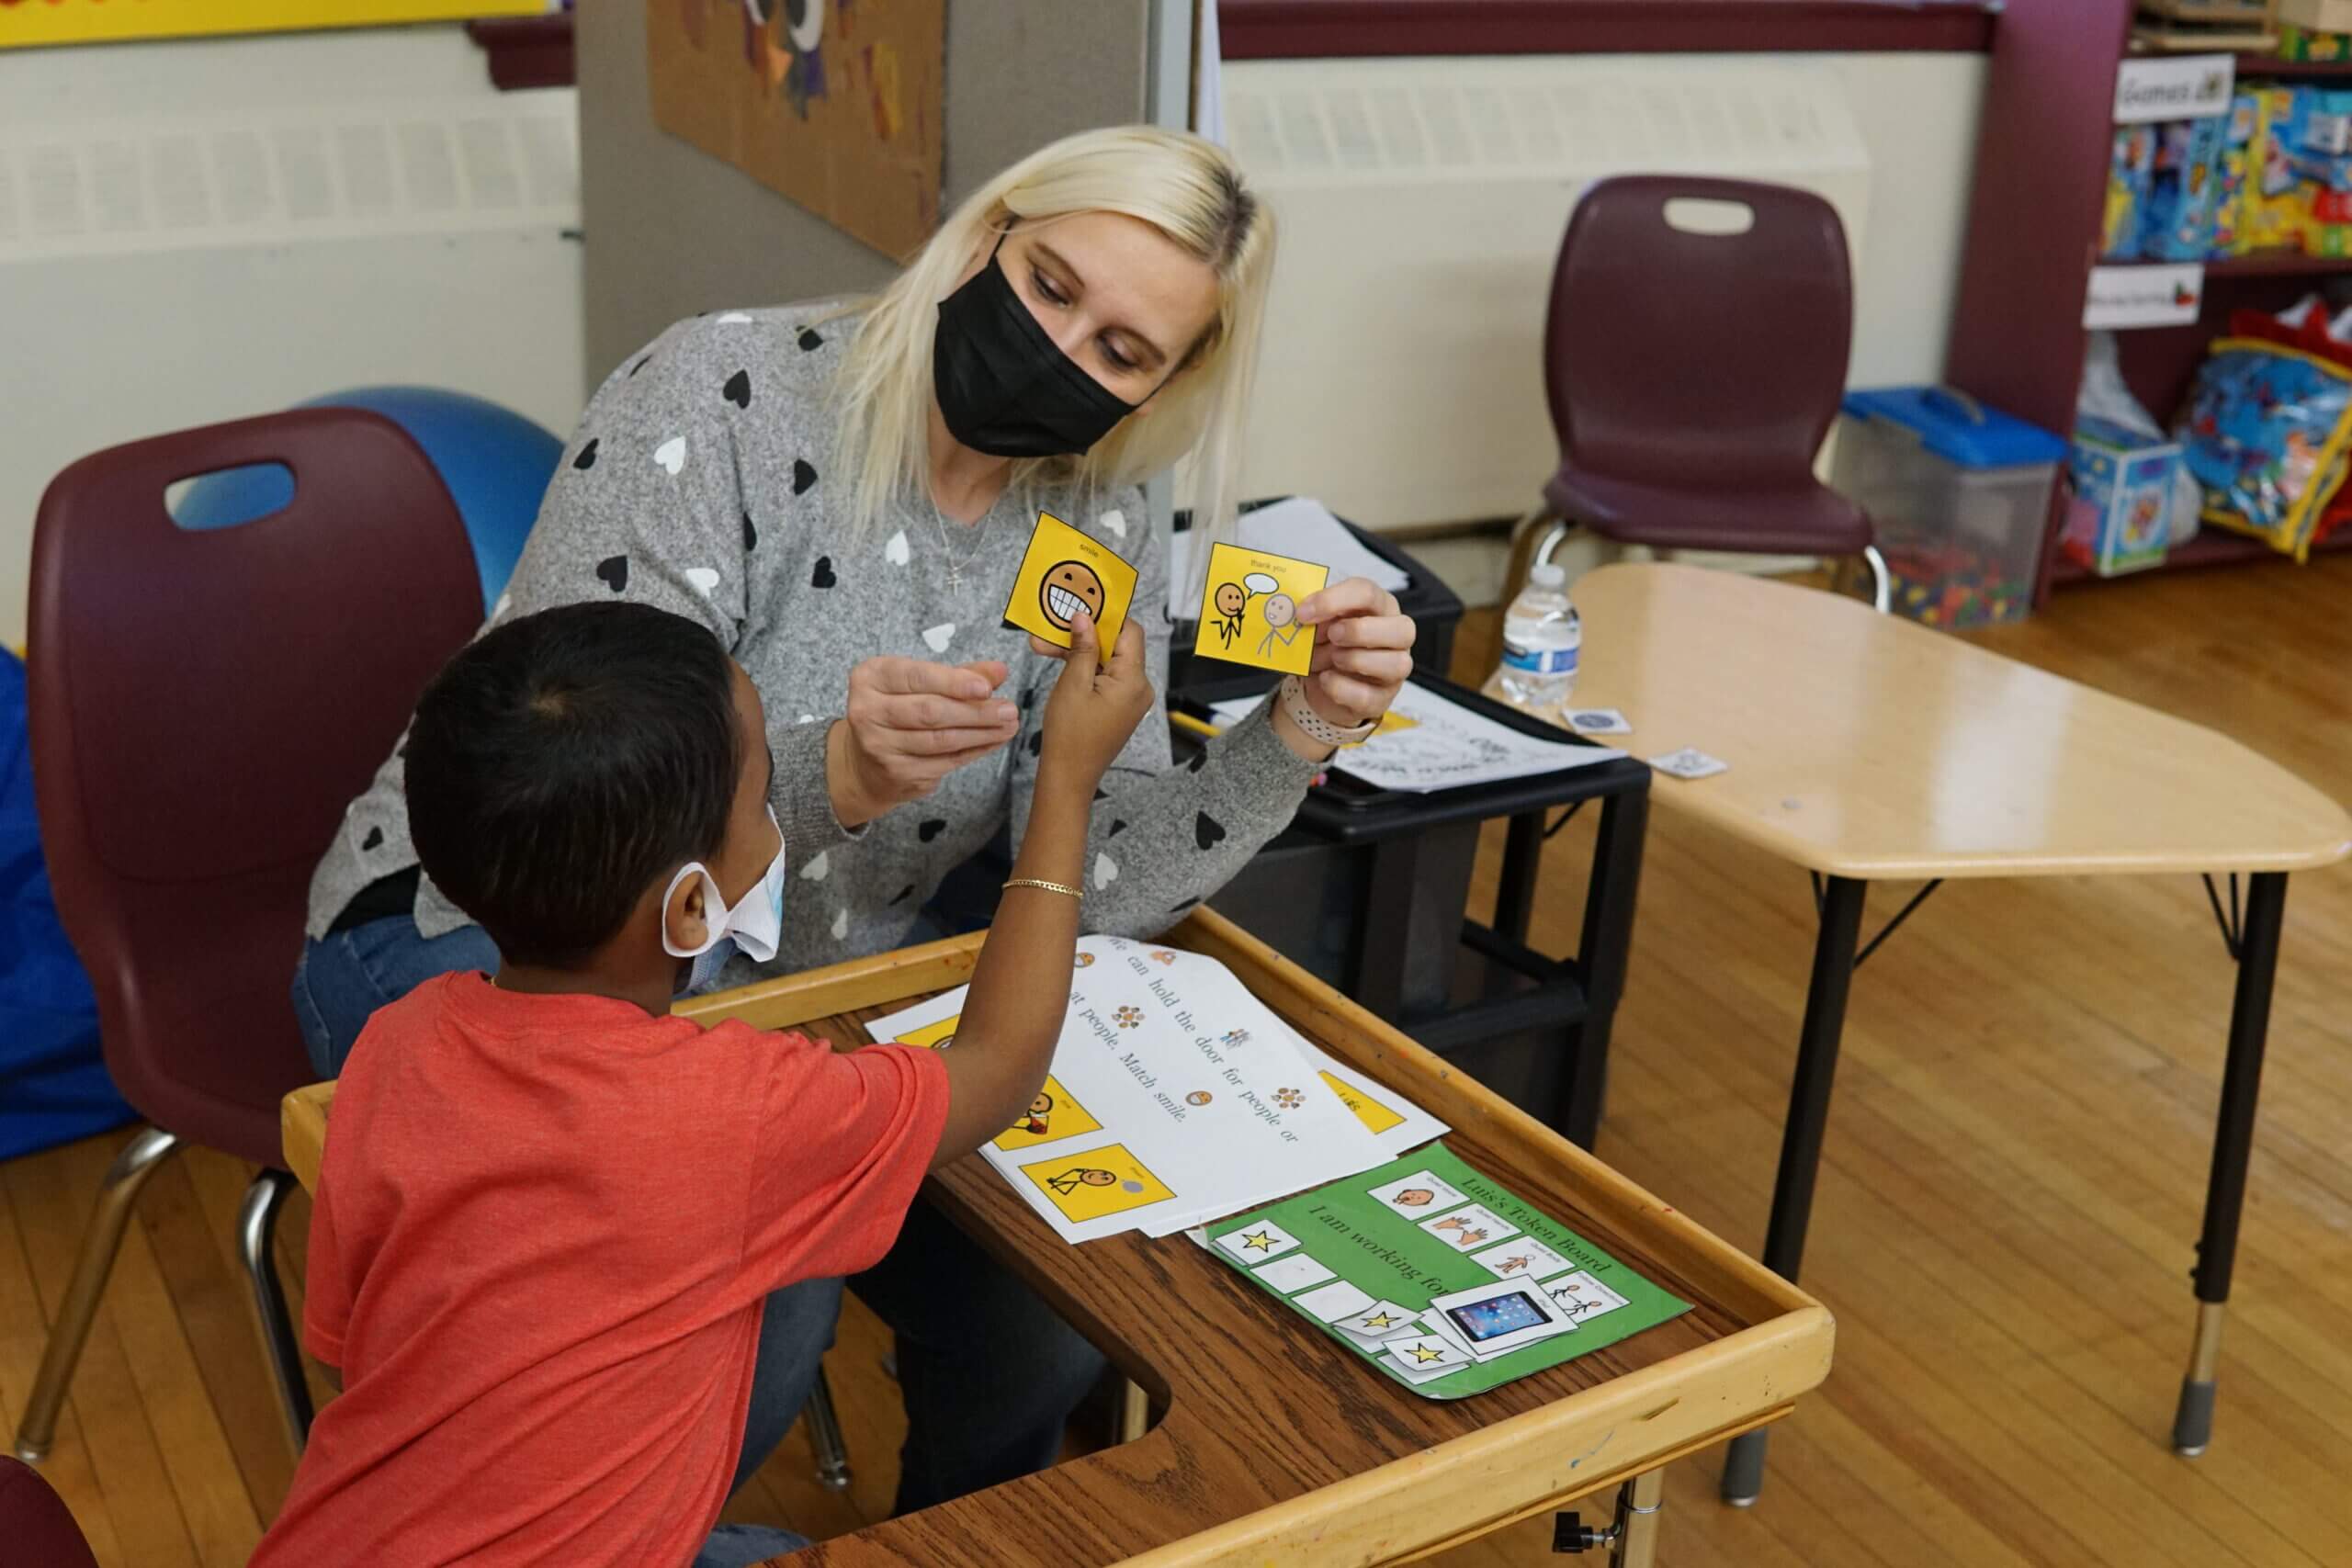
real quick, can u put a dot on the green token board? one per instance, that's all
(1424, 1228)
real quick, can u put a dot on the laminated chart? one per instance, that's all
(1444, 1281)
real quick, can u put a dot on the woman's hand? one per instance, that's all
(910, 724)
(1363, 654)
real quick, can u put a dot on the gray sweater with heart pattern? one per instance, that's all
(701, 479)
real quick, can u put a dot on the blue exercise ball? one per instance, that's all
(495, 463)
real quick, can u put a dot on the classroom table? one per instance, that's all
(1864, 748)
(1271, 1443)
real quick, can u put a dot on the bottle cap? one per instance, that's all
(1547, 574)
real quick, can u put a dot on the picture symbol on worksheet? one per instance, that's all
(1075, 1177)
(1466, 1227)
(1256, 1242)
(1420, 1193)
(1103, 1181)
(1289, 1099)
(1127, 1016)
(1053, 1114)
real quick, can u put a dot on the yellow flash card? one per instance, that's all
(1063, 572)
(1108, 1181)
(1052, 1116)
(1375, 1117)
(1249, 609)
(935, 1036)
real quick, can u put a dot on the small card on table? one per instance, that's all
(1249, 609)
(1690, 764)
(1065, 571)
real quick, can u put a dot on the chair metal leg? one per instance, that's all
(825, 1436)
(1639, 1502)
(256, 1224)
(1883, 585)
(71, 1328)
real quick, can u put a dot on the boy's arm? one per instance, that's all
(1020, 988)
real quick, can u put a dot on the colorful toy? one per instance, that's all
(2229, 199)
(2126, 191)
(2176, 221)
(2276, 209)
(2120, 520)
(2309, 44)
(2264, 431)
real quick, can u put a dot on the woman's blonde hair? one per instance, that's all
(1186, 187)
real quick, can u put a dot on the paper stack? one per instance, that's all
(1176, 1098)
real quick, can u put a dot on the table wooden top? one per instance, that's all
(1274, 1444)
(1865, 746)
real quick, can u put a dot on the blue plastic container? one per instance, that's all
(1958, 494)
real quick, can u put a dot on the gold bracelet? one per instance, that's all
(1049, 886)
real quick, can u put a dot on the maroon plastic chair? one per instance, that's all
(36, 1523)
(204, 705)
(1693, 371)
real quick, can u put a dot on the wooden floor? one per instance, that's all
(2004, 1223)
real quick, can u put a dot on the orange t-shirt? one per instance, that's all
(543, 1231)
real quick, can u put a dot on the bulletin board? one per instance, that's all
(835, 104)
(25, 23)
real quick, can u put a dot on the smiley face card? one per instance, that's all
(1249, 609)
(1065, 571)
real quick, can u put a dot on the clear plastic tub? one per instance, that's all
(1958, 495)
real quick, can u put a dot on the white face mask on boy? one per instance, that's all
(755, 925)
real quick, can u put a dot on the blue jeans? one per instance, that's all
(972, 1420)
(741, 1546)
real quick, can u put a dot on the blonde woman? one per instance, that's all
(842, 494)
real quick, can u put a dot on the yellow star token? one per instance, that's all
(1258, 1240)
(1424, 1354)
(1378, 1320)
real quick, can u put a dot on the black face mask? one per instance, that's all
(1004, 386)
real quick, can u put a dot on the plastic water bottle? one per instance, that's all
(1541, 636)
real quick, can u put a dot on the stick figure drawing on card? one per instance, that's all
(1282, 624)
(1070, 1180)
(1035, 1122)
(1232, 599)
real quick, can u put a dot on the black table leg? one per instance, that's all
(1515, 886)
(1602, 952)
(1825, 1021)
(2265, 906)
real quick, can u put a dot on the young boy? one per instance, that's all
(549, 1211)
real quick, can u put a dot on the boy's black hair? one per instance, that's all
(562, 762)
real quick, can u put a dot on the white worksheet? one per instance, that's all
(1173, 1096)
(1435, 743)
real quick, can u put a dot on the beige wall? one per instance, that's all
(672, 231)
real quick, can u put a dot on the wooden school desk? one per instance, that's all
(1864, 748)
(1274, 1443)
